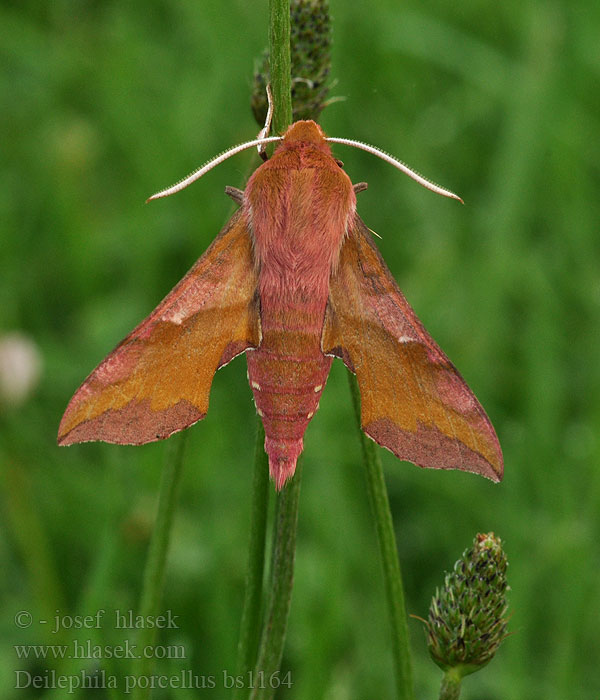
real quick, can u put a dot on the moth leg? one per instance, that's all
(235, 194)
(360, 187)
(264, 132)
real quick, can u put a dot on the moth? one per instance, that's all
(293, 280)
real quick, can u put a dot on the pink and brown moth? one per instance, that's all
(293, 280)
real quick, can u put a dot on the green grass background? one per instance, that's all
(103, 103)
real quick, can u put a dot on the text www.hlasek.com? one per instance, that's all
(88, 650)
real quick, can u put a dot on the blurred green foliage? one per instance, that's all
(104, 103)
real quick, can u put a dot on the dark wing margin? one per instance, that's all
(413, 400)
(157, 380)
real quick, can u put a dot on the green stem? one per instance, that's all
(286, 507)
(282, 567)
(154, 572)
(280, 64)
(26, 525)
(282, 576)
(250, 624)
(450, 689)
(384, 526)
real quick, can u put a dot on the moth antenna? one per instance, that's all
(217, 160)
(264, 132)
(397, 164)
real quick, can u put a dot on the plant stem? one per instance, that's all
(282, 576)
(286, 507)
(250, 624)
(450, 689)
(384, 526)
(154, 572)
(280, 64)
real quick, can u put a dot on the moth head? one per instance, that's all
(305, 131)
